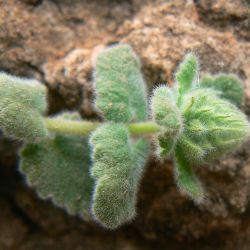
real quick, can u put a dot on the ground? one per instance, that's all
(55, 42)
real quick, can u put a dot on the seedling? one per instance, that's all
(94, 169)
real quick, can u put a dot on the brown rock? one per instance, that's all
(54, 41)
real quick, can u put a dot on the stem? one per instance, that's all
(70, 127)
(142, 128)
(85, 127)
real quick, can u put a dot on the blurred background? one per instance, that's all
(54, 41)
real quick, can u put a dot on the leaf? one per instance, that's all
(187, 73)
(28, 92)
(118, 167)
(186, 179)
(229, 87)
(58, 168)
(120, 88)
(22, 122)
(213, 126)
(22, 102)
(166, 114)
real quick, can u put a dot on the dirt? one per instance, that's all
(54, 41)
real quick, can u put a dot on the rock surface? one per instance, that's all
(54, 41)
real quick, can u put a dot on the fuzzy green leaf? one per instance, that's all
(229, 87)
(21, 103)
(118, 167)
(186, 179)
(120, 88)
(210, 125)
(166, 114)
(213, 126)
(28, 92)
(58, 168)
(187, 73)
(21, 122)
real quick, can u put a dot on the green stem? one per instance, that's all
(85, 127)
(143, 128)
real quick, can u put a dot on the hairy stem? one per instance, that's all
(85, 127)
(142, 128)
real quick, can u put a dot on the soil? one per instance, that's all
(54, 41)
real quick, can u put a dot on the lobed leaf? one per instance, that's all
(120, 88)
(229, 87)
(58, 168)
(118, 167)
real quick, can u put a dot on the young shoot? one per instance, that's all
(93, 169)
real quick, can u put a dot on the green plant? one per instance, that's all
(93, 169)
(229, 87)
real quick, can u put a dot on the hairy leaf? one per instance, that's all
(58, 168)
(229, 87)
(22, 102)
(28, 92)
(200, 123)
(213, 126)
(120, 88)
(118, 167)
(186, 179)
(187, 73)
(166, 114)
(21, 122)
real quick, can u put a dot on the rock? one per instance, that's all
(54, 41)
